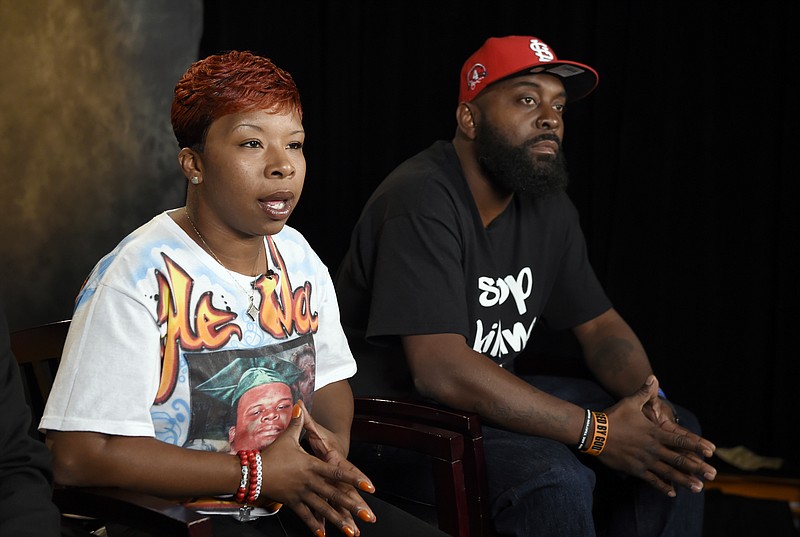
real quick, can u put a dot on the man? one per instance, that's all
(459, 253)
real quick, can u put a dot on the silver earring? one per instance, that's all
(195, 180)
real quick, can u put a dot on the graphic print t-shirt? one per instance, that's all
(161, 345)
(422, 262)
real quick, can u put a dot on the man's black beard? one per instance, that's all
(514, 168)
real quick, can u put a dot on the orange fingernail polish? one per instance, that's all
(347, 530)
(366, 486)
(364, 515)
(320, 533)
(296, 411)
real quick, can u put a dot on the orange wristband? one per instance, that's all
(599, 434)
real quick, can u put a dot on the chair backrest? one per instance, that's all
(38, 353)
(467, 515)
(384, 391)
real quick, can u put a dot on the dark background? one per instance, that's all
(682, 162)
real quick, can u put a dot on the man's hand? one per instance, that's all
(659, 410)
(316, 488)
(644, 441)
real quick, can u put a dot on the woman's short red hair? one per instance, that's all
(225, 84)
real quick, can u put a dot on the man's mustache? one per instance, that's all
(543, 137)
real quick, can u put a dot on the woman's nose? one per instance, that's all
(279, 165)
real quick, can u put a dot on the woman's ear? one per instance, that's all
(191, 165)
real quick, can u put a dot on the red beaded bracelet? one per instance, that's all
(254, 490)
(241, 493)
(250, 485)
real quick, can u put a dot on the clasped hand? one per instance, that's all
(317, 488)
(645, 441)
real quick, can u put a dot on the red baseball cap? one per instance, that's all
(502, 57)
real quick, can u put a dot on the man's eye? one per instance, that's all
(560, 108)
(529, 100)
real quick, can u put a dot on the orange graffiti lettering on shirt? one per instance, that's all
(291, 310)
(213, 328)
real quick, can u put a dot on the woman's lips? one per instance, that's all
(277, 208)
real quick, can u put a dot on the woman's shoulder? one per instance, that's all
(142, 249)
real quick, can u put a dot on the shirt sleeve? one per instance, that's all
(335, 360)
(418, 285)
(113, 347)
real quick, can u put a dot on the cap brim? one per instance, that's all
(579, 80)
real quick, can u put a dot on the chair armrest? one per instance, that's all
(155, 515)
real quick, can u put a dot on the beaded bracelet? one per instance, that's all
(250, 485)
(599, 434)
(255, 476)
(241, 493)
(585, 431)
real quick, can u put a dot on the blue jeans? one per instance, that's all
(540, 487)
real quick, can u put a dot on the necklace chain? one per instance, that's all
(252, 310)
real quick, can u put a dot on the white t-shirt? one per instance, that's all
(160, 338)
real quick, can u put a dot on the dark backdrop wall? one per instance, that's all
(681, 161)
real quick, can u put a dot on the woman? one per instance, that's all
(205, 304)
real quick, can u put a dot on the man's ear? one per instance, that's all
(466, 119)
(191, 163)
(231, 434)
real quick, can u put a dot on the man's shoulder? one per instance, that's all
(423, 179)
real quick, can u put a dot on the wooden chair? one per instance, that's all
(38, 352)
(452, 439)
(461, 502)
(465, 514)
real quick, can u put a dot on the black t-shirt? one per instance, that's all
(421, 262)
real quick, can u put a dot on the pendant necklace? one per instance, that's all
(252, 310)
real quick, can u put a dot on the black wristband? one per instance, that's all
(585, 431)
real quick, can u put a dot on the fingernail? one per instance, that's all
(320, 533)
(710, 475)
(364, 515)
(347, 530)
(296, 411)
(366, 486)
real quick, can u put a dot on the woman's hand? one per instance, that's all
(316, 488)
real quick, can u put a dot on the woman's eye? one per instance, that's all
(252, 143)
(296, 145)
(560, 108)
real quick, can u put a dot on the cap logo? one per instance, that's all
(476, 73)
(542, 51)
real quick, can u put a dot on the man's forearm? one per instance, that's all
(613, 353)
